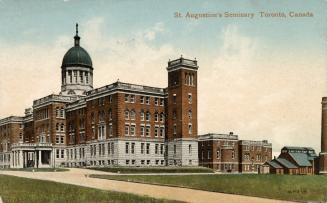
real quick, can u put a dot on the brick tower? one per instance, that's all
(182, 125)
(323, 153)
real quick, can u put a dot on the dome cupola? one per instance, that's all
(77, 56)
(76, 70)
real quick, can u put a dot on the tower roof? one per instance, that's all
(76, 56)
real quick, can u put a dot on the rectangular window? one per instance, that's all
(156, 148)
(142, 130)
(162, 131)
(190, 149)
(148, 131)
(147, 148)
(142, 148)
(156, 101)
(62, 153)
(174, 149)
(174, 98)
(209, 154)
(110, 130)
(142, 99)
(86, 77)
(189, 128)
(57, 153)
(126, 98)
(108, 148)
(126, 129)
(132, 98)
(156, 131)
(132, 148)
(175, 129)
(126, 147)
(142, 116)
(132, 130)
(189, 98)
(147, 100)
(161, 148)
(162, 101)
(112, 148)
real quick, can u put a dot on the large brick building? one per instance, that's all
(118, 124)
(226, 153)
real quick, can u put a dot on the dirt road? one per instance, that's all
(80, 177)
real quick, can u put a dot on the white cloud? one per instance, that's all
(260, 95)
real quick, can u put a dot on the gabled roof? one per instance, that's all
(301, 159)
(298, 148)
(285, 163)
(274, 164)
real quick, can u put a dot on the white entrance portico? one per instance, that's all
(34, 155)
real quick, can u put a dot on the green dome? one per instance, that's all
(77, 56)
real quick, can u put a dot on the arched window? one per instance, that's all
(186, 79)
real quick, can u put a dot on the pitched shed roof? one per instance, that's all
(274, 164)
(285, 163)
(301, 159)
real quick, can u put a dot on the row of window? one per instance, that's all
(73, 76)
(258, 148)
(72, 153)
(42, 114)
(127, 162)
(145, 130)
(131, 115)
(144, 148)
(130, 98)
(102, 150)
(218, 154)
(258, 157)
(189, 79)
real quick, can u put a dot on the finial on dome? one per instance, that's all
(76, 29)
(77, 38)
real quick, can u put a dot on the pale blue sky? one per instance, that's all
(42, 21)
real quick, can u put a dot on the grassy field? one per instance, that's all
(285, 187)
(155, 170)
(14, 189)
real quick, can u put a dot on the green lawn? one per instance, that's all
(155, 169)
(285, 187)
(14, 189)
